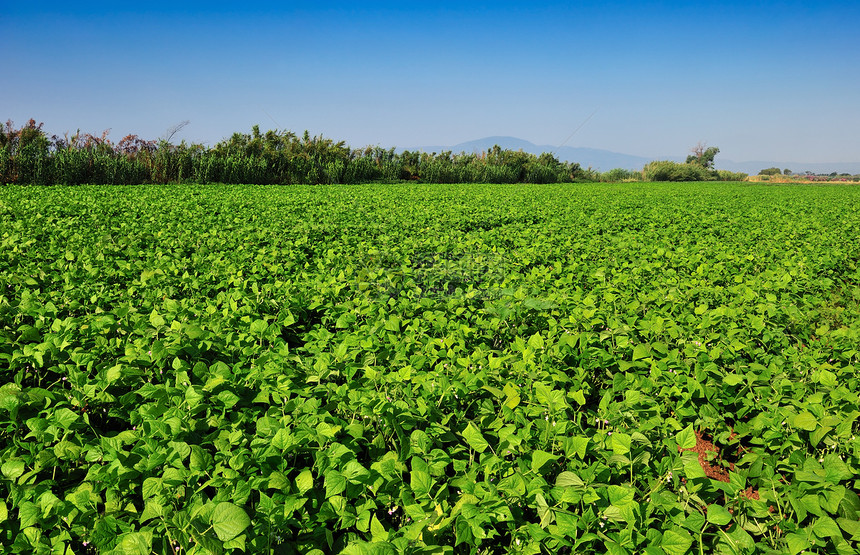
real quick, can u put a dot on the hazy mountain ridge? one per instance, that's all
(605, 160)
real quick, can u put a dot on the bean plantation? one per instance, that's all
(428, 369)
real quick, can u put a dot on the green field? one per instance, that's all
(657, 368)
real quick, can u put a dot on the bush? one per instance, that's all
(619, 175)
(725, 175)
(770, 171)
(665, 170)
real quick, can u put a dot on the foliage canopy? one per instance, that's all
(416, 369)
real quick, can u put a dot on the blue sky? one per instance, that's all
(760, 80)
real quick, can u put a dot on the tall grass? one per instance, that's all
(29, 157)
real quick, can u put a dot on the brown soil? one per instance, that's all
(714, 466)
(750, 493)
(711, 467)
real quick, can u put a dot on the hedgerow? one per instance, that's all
(29, 157)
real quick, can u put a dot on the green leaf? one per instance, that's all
(65, 418)
(512, 396)
(686, 438)
(641, 351)
(114, 373)
(567, 524)
(693, 470)
(28, 514)
(694, 522)
(540, 458)
(4, 512)
(543, 510)
(277, 480)
(718, 515)
(805, 421)
(621, 495)
(569, 479)
(304, 481)
(676, 542)
(237, 543)
(12, 469)
(739, 537)
(835, 469)
(155, 319)
(335, 483)
(228, 398)
(374, 548)
(229, 520)
(135, 543)
(9, 394)
(796, 543)
(377, 530)
(831, 499)
(193, 396)
(194, 331)
(620, 443)
(463, 531)
(579, 445)
(420, 482)
(850, 526)
(474, 438)
(393, 323)
(827, 378)
(733, 379)
(614, 548)
(819, 434)
(419, 441)
(812, 504)
(152, 486)
(850, 506)
(151, 509)
(826, 527)
(345, 320)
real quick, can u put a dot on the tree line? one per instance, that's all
(28, 156)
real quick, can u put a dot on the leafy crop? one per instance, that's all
(650, 368)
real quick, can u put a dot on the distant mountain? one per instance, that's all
(605, 160)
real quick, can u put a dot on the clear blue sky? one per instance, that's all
(761, 80)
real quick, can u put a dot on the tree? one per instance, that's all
(702, 156)
(770, 171)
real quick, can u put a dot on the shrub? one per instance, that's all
(725, 175)
(665, 170)
(770, 171)
(618, 175)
